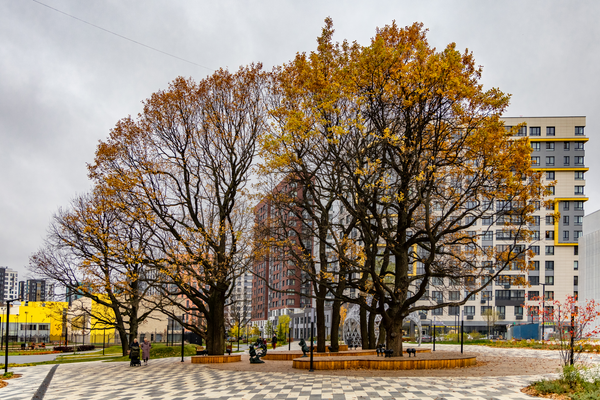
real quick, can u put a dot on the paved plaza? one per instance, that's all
(170, 379)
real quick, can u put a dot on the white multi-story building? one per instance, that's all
(558, 151)
(589, 263)
(9, 284)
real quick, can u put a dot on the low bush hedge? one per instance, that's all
(69, 349)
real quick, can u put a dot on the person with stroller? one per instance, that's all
(134, 353)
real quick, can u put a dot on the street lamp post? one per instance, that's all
(543, 308)
(7, 329)
(26, 328)
(462, 329)
(182, 341)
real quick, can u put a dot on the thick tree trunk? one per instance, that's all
(335, 325)
(371, 326)
(320, 323)
(381, 338)
(215, 330)
(124, 340)
(393, 332)
(364, 332)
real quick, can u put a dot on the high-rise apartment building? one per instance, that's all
(277, 287)
(36, 290)
(589, 263)
(9, 288)
(558, 151)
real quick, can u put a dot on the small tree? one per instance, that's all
(268, 329)
(255, 331)
(574, 324)
(491, 317)
(283, 328)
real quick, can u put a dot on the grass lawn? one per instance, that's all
(114, 353)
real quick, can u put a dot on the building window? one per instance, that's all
(565, 220)
(550, 131)
(535, 265)
(575, 280)
(536, 221)
(454, 295)
(550, 175)
(533, 295)
(437, 311)
(565, 205)
(579, 189)
(534, 280)
(549, 296)
(575, 250)
(579, 175)
(549, 265)
(535, 146)
(578, 206)
(579, 145)
(550, 160)
(507, 128)
(522, 131)
(485, 309)
(579, 131)
(489, 235)
(536, 250)
(486, 221)
(567, 146)
(567, 160)
(501, 311)
(518, 311)
(565, 235)
(535, 161)
(578, 220)
(469, 310)
(549, 235)
(535, 131)
(549, 220)
(579, 160)
(549, 250)
(454, 310)
(550, 146)
(577, 234)
(552, 190)
(575, 265)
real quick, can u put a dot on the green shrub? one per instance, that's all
(7, 374)
(553, 386)
(593, 395)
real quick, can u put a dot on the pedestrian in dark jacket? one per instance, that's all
(134, 353)
(274, 341)
(146, 346)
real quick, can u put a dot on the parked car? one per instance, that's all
(426, 339)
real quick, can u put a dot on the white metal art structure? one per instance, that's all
(351, 330)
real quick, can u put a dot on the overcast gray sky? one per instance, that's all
(64, 84)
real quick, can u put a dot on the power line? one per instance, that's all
(121, 36)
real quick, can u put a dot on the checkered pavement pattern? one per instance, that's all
(170, 379)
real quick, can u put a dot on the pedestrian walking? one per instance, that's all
(274, 341)
(134, 353)
(146, 346)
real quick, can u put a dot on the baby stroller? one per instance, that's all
(134, 355)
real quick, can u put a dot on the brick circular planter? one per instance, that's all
(216, 359)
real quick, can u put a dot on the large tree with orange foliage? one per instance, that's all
(186, 161)
(418, 154)
(98, 250)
